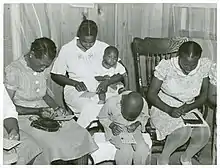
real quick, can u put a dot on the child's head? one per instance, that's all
(110, 57)
(131, 105)
(189, 55)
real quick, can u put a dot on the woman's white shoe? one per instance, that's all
(161, 164)
(185, 162)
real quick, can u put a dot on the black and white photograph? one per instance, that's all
(109, 83)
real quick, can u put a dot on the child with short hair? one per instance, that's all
(111, 67)
(124, 118)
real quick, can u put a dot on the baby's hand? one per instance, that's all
(48, 113)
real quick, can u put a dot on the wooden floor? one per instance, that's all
(205, 158)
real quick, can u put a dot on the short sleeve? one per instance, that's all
(120, 69)
(213, 75)
(162, 69)
(9, 109)
(11, 80)
(205, 67)
(60, 64)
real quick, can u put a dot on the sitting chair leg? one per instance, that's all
(80, 161)
(83, 160)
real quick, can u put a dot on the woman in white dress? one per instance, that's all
(179, 86)
(82, 58)
(26, 82)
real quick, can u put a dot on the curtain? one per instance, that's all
(198, 22)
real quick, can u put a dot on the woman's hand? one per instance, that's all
(102, 87)
(61, 112)
(183, 109)
(175, 112)
(48, 113)
(132, 127)
(80, 86)
(116, 129)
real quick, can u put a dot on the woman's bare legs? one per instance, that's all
(173, 141)
(199, 138)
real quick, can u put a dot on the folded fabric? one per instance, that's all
(106, 151)
(9, 143)
(9, 157)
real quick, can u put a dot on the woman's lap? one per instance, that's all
(70, 142)
(28, 149)
(165, 124)
(84, 108)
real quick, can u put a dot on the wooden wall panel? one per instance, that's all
(138, 20)
(69, 20)
(8, 54)
(118, 25)
(124, 39)
(106, 22)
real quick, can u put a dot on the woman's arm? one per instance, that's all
(63, 80)
(20, 109)
(212, 94)
(153, 97)
(126, 81)
(28, 110)
(50, 101)
(200, 100)
(115, 79)
(103, 86)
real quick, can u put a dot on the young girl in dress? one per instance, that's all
(179, 86)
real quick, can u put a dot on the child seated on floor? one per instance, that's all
(124, 118)
(111, 67)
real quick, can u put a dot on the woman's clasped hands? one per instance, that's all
(176, 112)
(51, 113)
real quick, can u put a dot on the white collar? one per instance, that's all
(175, 64)
(75, 43)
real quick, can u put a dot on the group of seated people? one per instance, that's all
(96, 87)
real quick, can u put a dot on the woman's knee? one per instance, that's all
(183, 132)
(201, 133)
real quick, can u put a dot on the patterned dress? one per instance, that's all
(176, 84)
(70, 142)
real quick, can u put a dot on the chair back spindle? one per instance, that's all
(154, 50)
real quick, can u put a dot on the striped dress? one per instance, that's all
(70, 142)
